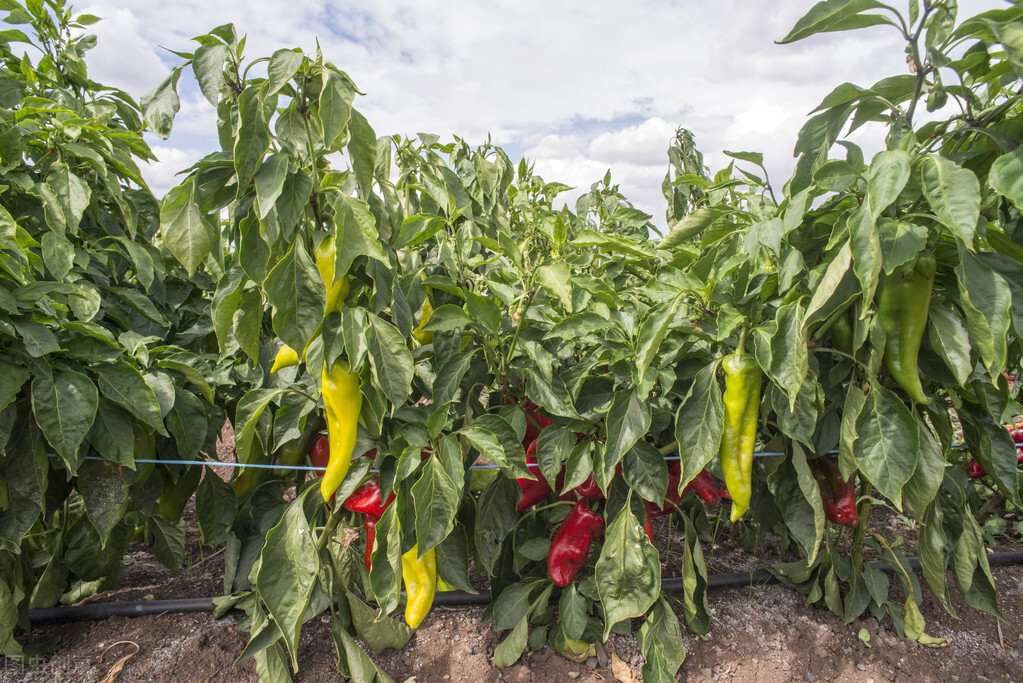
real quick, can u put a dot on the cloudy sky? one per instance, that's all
(577, 87)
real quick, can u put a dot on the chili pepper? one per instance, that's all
(672, 498)
(342, 399)
(144, 449)
(251, 477)
(571, 544)
(422, 336)
(420, 576)
(533, 490)
(286, 357)
(370, 522)
(842, 333)
(176, 494)
(975, 471)
(742, 403)
(648, 527)
(293, 452)
(534, 421)
(903, 299)
(368, 499)
(838, 494)
(319, 453)
(336, 291)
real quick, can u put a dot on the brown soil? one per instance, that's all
(763, 634)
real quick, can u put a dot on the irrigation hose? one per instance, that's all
(141, 608)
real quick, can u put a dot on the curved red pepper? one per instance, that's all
(368, 499)
(533, 491)
(571, 544)
(370, 523)
(838, 494)
(648, 527)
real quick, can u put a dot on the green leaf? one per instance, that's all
(513, 604)
(295, 291)
(484, 311)
(557, 280)
(390, 360)
(375, 629)
(283, 65)
(660, 641)
(652, 332)
(1006, 176)
(836, 15)
(214, 508)
(628, 420)
(699, 423)
(253, 138)
(611, 243)
(105, 495)
(208, 66)
(288, 567)
(447, 318)
(922, 487)
(780, 347)
(578, 326)
(269, 182)
(886, 443)
(160, 105)
(931, 550)
(357, 233)
(886, 177)
(512, 647)
(122, 384)
(12, 378)
(168, 542)
(865, 243)
(436, 502)
(953, 193)
(185, 229)
(111, 434)
(38, 339)
(552, 396)
(65, 407)
(900, 242)
(987, 301)
(361, 667)
(336, 95)
(495, 518)
(628, 572)
(362, 148)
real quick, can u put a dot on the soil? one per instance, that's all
(759, 633)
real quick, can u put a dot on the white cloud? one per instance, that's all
(161, 175)
(581, 86)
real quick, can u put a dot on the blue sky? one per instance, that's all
(576, 87)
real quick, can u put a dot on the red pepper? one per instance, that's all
(975, 471)
(589, 489)
(648, 527)
(533, 491)
(571, 544)
(1017, 438)
(319, 453)
(838, 494)
(368, 499)
(370, 523)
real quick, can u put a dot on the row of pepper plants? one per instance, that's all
(428, 306)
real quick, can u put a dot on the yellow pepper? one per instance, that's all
(422, 336)
(286, 357)
(420, 576)
(325, 254)
(342, 399)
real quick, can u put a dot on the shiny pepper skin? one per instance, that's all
(975, 471)
(903, 299)
(342, 399)
(336, 290)
(370, 522)
(837, 493)
(742, 403)
(533, 491)
(420, 577)
(368, 499)
(286, 357)
(571, 544)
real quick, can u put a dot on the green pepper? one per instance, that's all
(742, 404)
(842, 333)
(293, 452)
(903, 299)
(176, 493)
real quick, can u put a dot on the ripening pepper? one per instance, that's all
(903, 299)
(533, 490)
(837, 493)
(293, 452)
(742, 403)
(420, 577)
(370, 522)
(422, 336)
(571, 544)
(286, 357)
(342, 399)
(368, 499)
(326, 257)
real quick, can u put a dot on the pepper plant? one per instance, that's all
(431, 305)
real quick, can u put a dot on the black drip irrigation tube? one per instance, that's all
(141, 608)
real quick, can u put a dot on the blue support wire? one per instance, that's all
(310, 468)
